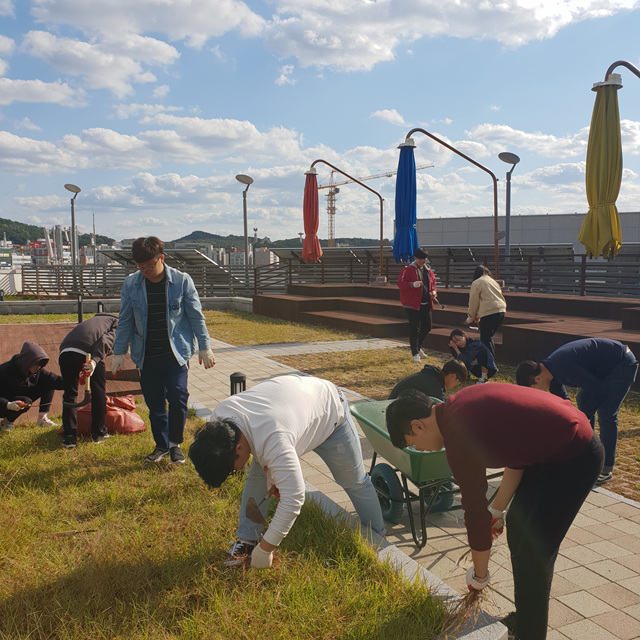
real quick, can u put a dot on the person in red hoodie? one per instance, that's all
(417, 284)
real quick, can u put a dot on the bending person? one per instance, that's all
(276, 422)
(433, 381)
(475, 355)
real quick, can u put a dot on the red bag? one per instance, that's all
(121, 416)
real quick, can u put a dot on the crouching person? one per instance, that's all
(551, 458)
(276, 422)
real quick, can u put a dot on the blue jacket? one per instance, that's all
(185, 322)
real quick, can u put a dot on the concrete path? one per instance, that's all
(596, 588)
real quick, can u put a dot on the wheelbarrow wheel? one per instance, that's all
(443, 500)
(389, 490)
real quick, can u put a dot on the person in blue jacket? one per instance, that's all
(602, 370)
(161, 320)
(475, 355)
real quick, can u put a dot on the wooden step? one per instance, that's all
(375, 326)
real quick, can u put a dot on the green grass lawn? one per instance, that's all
(95, 545)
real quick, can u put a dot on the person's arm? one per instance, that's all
(474, 302)
(125, 323)
(193, 311)
(480, 562)
(510, 481)
(406, 278)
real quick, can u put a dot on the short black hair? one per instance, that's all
(410, 405)
(457, 367)
(420, 254)
(526, 373)
(213, 451)
(481, 270)
(145, 249)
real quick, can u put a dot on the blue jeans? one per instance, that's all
(162, 379)
(615, 386)
(341, 452)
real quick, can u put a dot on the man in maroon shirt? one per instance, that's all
(551, 458)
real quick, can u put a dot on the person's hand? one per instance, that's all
(474, 583)
(206, 358)
(117, 363)
(88, 368)
(16, 405)
(416, 284)
(497, 522)
(261, 559)
(468, 321)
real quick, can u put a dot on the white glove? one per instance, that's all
(89, 368)
(468, 321)
(474, 583)
(497, 522)
(261, 559)
(117, 364)
(206, 358)
(15, 405)
(416, 284)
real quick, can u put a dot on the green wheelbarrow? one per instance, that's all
(427, 470)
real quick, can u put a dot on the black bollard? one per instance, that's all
(80, 311)
(100, 307)
(238, 382)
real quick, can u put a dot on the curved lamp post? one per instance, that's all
(496, 236)
(244, 179)
(74, 249)
(512, 159)
(380, 278)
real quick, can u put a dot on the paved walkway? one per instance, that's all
(596, 588)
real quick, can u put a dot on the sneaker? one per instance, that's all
(176, 455)
(509, 621)
(416, 358)
(5, 425)
(45, 421)
(604, 477)
(156, 455)
(238, 552)
(422, 354)
(100, 439)
(482, 380)
(69, 442)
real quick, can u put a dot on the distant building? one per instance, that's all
(263, 257)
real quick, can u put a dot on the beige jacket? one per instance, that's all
(485, 298)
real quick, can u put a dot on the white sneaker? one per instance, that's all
(5, 425)
(416, 358)
(482, 380)
(422, 354)
(45, 421)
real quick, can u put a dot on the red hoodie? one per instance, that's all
(411, 296)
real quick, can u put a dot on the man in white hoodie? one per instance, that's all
(276, 422)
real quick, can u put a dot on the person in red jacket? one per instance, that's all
(417, 284)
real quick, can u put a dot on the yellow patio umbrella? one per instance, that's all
(600, 233)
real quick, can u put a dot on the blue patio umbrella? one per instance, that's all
(405, 242)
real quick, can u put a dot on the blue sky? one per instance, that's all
(152, 107)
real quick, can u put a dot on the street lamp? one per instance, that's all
(74, 249)
(243, 179)
(512, 159)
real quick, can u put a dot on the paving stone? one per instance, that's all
(615, 595)
(586, 630)
(585, 603)
(611, 570)
(623, 626)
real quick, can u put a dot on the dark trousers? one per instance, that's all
(163, 380)
(29, 395)
(419, 326)
(70, 367)
(544, 506)
(488, 326)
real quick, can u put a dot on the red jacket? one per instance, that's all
(411, 296)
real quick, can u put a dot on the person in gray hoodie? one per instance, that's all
(23, 380)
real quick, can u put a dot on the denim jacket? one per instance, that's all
(185, 322)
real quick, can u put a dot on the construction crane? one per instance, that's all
(334, 191)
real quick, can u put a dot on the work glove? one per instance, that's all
(497, 522)
(261, 559)
(88, 368)
(416, 284)
(206, 358)
(117, 364)
(16, 405)
(474, 583)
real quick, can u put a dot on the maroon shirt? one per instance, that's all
(497, 425)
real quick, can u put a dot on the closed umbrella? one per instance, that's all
(405, 242)
(600, 233)
(311, 251)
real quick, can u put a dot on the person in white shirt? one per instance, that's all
(276, 422)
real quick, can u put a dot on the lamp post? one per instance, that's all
(74, 249)
(243, 179)
(512, 159)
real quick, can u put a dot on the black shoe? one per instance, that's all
(176, 455)
(509, 621)
(100, 439)
(69, 442)
(238, 552)
(156, 455)
(604, 477)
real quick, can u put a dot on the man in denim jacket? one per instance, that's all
(161, 320)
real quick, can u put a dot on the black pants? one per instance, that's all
(70, 366)
(488, 326)
(419, 326)
(29, 395)
(544, 506)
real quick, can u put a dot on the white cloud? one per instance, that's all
(161, 91)
(25, 123)
(133, 110)
(285, 75)
(40, 92)
(6, 8)
(7, 45)
(389, 115)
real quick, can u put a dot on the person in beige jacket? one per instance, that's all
(487, 304)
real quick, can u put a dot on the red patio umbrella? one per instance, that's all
(311, 251)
